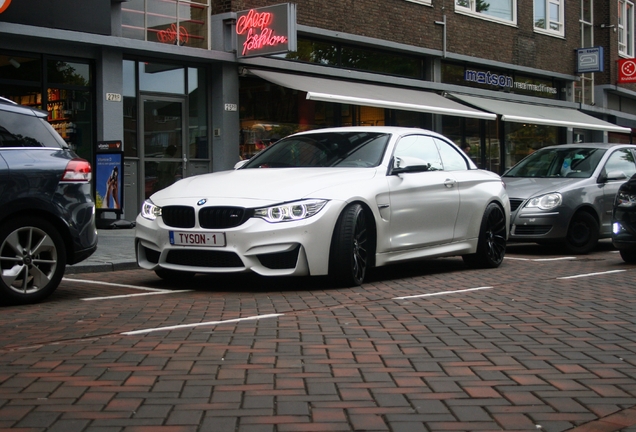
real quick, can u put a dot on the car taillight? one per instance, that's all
(77, 170)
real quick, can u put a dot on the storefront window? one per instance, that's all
(493, 147)
(410, 119)
(162, 78)
(524, 139)
(382, 62)
(174, 22)
(465, 133)
(197, 108)
(20, 68)
(311, 51)
(71, 73)
(350, 57)
(66, 93)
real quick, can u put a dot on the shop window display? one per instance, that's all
(66, 94)
(269, 112)
(524, 139)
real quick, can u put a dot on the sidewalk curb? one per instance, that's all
(97, 268)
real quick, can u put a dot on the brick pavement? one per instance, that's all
(532, 353)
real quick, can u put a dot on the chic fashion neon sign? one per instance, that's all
(169, 35)
(258, 33)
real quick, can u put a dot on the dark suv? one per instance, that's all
(624, 221)
(47, 213)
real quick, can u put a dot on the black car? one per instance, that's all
(624, 221)
(47, 213)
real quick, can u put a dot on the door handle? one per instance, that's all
(449, 183)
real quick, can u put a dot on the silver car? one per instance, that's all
(564, 194)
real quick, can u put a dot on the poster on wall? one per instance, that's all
(108, 175)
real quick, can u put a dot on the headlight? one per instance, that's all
(624, 199)
(291, 211)
(545, 202)
(150, 211)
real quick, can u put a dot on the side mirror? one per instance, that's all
(612, 176)
(240, 164)
(403, 164)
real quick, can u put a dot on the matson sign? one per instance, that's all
(265, 31)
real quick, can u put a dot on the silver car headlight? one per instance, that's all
(545, 202)
(625, 200)
(293, 211)
(150, 211)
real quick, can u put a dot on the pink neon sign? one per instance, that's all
(169, 35)
(264, 31)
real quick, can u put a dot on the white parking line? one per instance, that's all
(554, 259)
(135, 295)
(541, 259)
(441, 293)
(113, 284)
(256, 317)
(591, 274)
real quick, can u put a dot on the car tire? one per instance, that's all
(491, 245)
(32, 260)
(582, 235)
(629, 256)
(350, 247)
(174, 275)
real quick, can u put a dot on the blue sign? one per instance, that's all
(589, 60)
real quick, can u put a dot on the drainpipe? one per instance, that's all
(443, 23)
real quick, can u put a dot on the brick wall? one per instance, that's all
(414, 24)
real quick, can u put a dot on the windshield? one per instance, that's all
(329, 149)
(558, 162)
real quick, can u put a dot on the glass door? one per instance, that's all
(163, 129)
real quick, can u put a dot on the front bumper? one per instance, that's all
(296, 248)
(624, 229)
(533, 225)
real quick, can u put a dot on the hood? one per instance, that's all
(255, 187)
(526, 187)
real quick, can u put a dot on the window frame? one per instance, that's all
(422, 2)
(625, 30)
(471, 10)
(548, 18)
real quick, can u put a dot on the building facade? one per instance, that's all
(175, 88)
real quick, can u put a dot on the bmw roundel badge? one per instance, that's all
(202, 201)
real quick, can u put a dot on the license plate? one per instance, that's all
(197, 239)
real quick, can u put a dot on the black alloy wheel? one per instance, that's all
(491, 246)
(349, 256)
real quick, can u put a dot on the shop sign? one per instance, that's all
(626, 71)
(505, 81)
(589, 60)
(265, 31)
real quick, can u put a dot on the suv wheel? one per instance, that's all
(32, 260)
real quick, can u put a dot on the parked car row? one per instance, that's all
(332, 202)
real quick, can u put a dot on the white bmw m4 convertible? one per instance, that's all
(330, 202)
